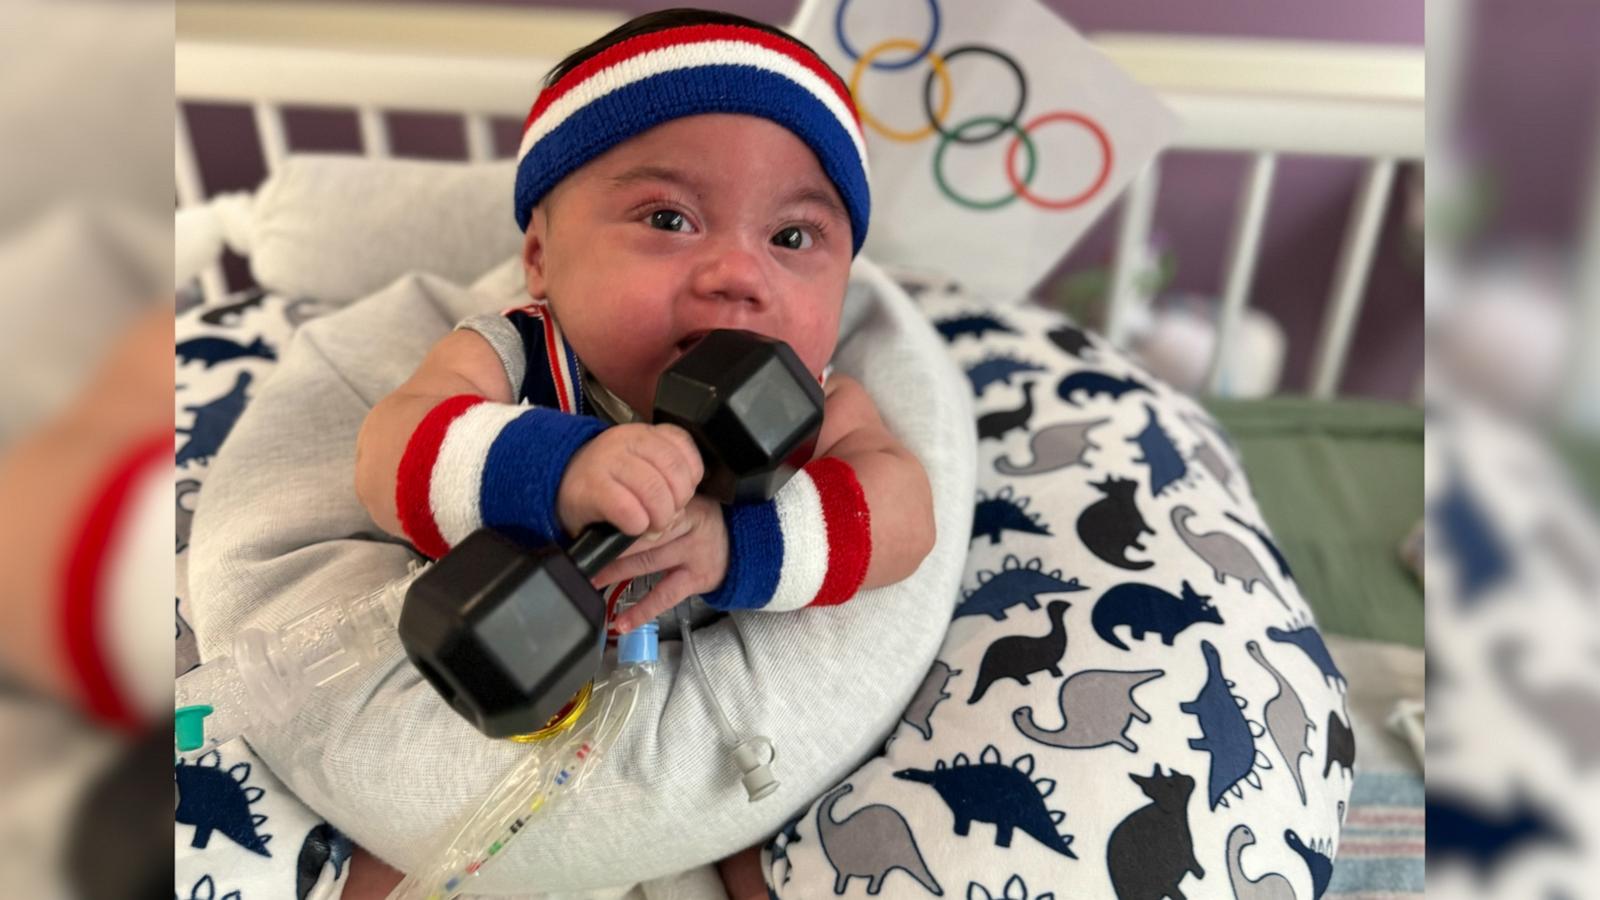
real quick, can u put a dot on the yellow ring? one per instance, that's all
(934, 59)
(559, 723)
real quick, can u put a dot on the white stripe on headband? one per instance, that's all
(690, 56)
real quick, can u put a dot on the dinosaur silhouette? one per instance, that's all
(1145, 608)
(919, 713)
(1004, 512)
(213, 350)
(1020, 655)
(212, 799)
(1112, 525)
(323, 844)
(187, 653)
(869, 843)
(1309, 640)
(1225, 733)
(1570, 713)
(1211, 460)
(1461, 830)
(1151, 851)
(1070, 340)
(231, 313)
(1287, 723)
(1015, 889)
(976, 326)
(1097, 708)
(1319, 861)
(996, 424)
(1468, 539)
(998, 369)
(1053, 447)
(1277, 556)
(212, 422)
(1160, 454)
(1092, 383)
(1341, 746)
(991, 791)
(184, 519)
(1227, 556)
(1270, 886)
(1015, 583)
(778, 848)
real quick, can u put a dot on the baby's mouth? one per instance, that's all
(690, 340)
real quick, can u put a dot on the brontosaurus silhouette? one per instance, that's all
(919, 713)
(1097, 708)
(1019, 655)
(1054, 447)
(1270, 886)
(869, 843)
(996, 424)
(1287, 723)
(1226, 555)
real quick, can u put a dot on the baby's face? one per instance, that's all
(706, 222)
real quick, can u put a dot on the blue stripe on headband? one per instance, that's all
(652, 101)
(755, 557)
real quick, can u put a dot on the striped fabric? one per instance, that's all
(653, 78)
(551, 376)
(808, 546)
(1381, 851)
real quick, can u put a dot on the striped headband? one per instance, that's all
(644, 81)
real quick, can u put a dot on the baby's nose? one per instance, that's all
(733, 273)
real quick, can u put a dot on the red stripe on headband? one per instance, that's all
(83, 584)
(688, 34)
(849, 522)
(414, 480)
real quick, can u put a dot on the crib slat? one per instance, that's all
(1133, 233)
(1350, 278)
(480, 138)
(374, 131)
(271, 132)
(1244, 249)
(186, 168)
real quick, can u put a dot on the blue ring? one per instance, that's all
(933, 38)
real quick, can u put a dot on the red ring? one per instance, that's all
(1070, 202)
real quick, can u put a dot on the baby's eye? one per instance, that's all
(792, 238)
(669, 220)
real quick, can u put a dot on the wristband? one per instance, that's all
(471, 463)
(808, 546)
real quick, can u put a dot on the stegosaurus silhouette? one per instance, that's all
(215, 799)
(1225, 733)
(1004, 512)
(992, 790)
(1016, 583)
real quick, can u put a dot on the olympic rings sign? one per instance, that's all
(976, 130)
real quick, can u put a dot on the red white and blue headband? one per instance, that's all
(644, 81)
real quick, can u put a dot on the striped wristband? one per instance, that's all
(472, 463)
(808, 546)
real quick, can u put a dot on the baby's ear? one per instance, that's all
(533, 256)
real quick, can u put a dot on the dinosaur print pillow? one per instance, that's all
(1133, 701)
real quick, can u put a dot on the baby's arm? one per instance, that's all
(637, 477)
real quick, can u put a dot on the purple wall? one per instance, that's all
(1311, 199)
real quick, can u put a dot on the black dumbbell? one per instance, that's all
(509, 634)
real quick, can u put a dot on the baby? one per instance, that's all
(688, 171)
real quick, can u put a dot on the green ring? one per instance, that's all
(949, 136)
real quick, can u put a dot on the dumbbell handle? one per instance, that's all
(597, 546)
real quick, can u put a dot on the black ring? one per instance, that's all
(1009, 122)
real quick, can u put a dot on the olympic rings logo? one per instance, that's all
(976, 130)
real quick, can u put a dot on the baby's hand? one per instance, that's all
(693, 553)
(637, 477)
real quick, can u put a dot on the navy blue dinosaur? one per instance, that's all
(213, 350)
(1309, 640)
(992, 791)
(213, 799)
(1462, 831)
(1014, 584)
(1261, 535)
(998, 369)
(212, 422)
(1318, 860)
(323, 844)
(1070, 340)
(974, 325)
(1224, 733)
(1004, 512)
(1147, 609)
(1160, 455)
(1092, 383)
(231, 313)
(1468, 539)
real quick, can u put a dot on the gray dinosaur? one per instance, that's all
(1207, 456)
(1097, 708)
(1270, 886)
(1054, 447)
(1286, 720)
(1570, 713)
(869, 843)
(919, 713)
(1226, 555)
